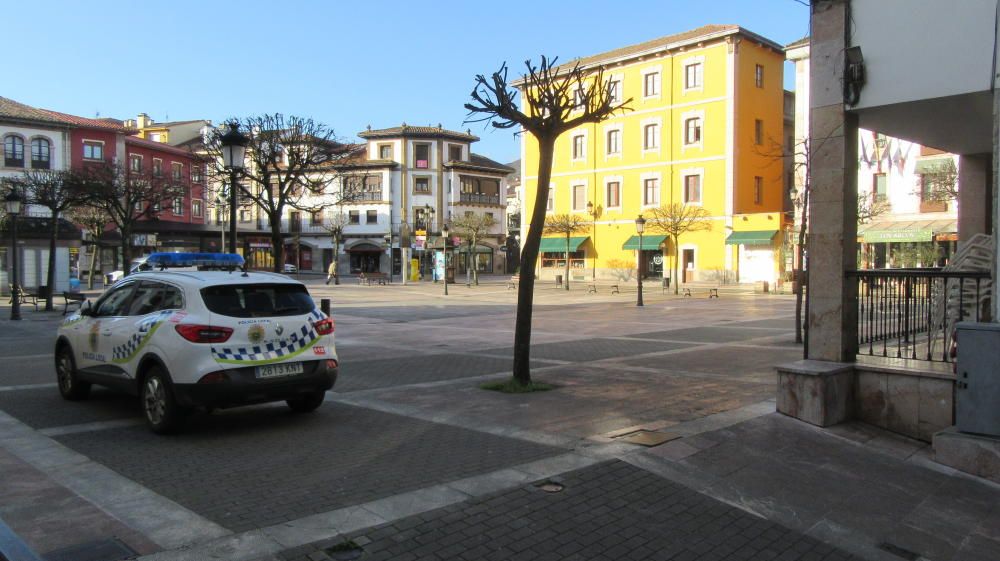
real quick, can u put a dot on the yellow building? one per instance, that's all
(705, 129)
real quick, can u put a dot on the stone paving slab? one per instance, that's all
(44, 407)
(260, 466)
(588, 350)
(409, 314)
(779, 323)
(415, 369)
(739, 363)
(608, 511)
(713, 334)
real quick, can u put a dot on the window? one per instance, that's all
(651, 191)
(40, 154)
(196, 208)
(614, 194)
(154, 297)
(354, 217)
(469, 214)
(156, 137)
(692, 188)
(422, 155)
(196, 174)
(422, 184)
(758, 190)
(550, 203)
(178, 206)
(614, 141)
(371, 217)
(135, 163)
(157, 167)
(578, 153)
(651, 84)
(156, 206)
(455, 153)
(579, 99)
(13, 152)
(385, 151)
(557, 259)
(651, 137)
(758, 76)
(489, 215)
(692, 130)
(579, 197)
(114, 302)
(615, 91)
(176, 171)
(316, 218)
(244, 215)
(758, 132)
(879, 192)
(93, 150)
(692, 76)
(257, 300)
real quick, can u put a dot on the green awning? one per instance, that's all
(936, 165)
(648, 242)
(755, 237)
(905, 230)
(559, 243)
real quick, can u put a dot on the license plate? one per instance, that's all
(281, 369)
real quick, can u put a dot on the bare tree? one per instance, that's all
(334, 225)
(871, 207)
(675, 220)
(567, 225)
(556, 100)
(93, 221)
(291, 162)
(127, 197)
(940, 181)
(473, 227)
(55, 191)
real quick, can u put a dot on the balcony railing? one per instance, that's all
(482, 198)
(911, 313)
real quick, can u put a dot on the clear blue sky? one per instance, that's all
(347, 64)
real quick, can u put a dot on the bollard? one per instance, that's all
(324, 306)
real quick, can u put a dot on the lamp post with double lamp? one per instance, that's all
(444, 258)
(13, 202)
(592, 211)
(234, 149)
(640, 225)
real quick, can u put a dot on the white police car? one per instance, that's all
(199, 338)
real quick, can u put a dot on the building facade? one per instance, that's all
(705, 129)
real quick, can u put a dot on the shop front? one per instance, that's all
(482, 258)
(259, 254)
(365, 257)
(757, 257)
(651, 253)
(907, 244)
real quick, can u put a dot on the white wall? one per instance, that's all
(59, 149)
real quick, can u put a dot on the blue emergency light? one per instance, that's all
(216, 260)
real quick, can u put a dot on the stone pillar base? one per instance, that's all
(815, 391)
(971, 453)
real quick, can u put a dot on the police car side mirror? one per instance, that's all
(86, 309)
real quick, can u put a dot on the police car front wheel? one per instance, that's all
(71, 387)
(163, 415)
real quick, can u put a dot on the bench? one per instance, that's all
(592, 289)
(373, 278)
(24, 297)
(712, 292)
(512, 283)
(70, 298)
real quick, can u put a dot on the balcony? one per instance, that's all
(480, 198)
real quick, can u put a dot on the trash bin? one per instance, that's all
(666, 282)
(558, 280)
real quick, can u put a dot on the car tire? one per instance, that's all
(71, 387)
(159, 407)
(307, 403)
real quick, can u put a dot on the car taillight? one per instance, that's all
(214, 378)
(324, 326)
(331, 364)
(204, 333)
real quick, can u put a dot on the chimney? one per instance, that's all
(144, 121)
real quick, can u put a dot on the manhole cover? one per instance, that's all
(550, 486)
(648, 437)
(103, 550)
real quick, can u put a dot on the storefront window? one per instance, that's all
(558, 259)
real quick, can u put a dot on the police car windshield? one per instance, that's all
(258, 300)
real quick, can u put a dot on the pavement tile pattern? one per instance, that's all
(297, 465)
(588, 350)
(389, 372)
(44, 408)
(610, 511)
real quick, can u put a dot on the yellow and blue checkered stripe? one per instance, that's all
(294, 345)
(125, 352)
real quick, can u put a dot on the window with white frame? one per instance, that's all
(40, 153)
(692, 76)
(579, 197)
(651, 136)
(758, 76)
(579, 99)
(550, 203)
(650, 191)
(692, 188)
(176, 171)
(578, 147)
(157, 167)
(613, 196)
(614, 144)
(196, 208)
(178, 206)
(615, 90)
(651, 84)
(692, 130)
(93, 150)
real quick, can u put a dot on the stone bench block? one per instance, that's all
(815, 391)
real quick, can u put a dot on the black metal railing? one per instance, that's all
(483, 198)
(911, 313)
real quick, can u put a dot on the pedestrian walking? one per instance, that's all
(331, 272)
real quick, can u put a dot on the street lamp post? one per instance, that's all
(428, 222)
(640, 225)
(234, 148)
(444, 239)
(592, 211)
(13, 202)
(388, 249)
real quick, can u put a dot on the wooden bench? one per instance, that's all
(712, 292)
(70, 298)
(512, 283)
(25, 297)
(592, 289)
(373, 278)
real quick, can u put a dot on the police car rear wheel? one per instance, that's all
(70, 386)
(162, 413)
(307, 403)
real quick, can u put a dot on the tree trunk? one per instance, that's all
(277, 244)
(799, 277)
(126, 251)
(529, 255)
(475, 265)
(677, 265)
(93, 265)
(50, 279)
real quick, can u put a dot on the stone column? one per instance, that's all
(833, 151)
(975, 195)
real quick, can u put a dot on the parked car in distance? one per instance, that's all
(290, 268)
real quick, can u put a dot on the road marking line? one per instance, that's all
(27, 387)
(19, 357)
(89, 427)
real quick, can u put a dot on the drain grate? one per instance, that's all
(899, 551)
(345, 551)
(648, 438)
(102, 550)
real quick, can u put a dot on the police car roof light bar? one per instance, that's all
(228, 261)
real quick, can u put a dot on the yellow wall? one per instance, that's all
(718, 96)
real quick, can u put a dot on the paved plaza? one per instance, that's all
(410, 459)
